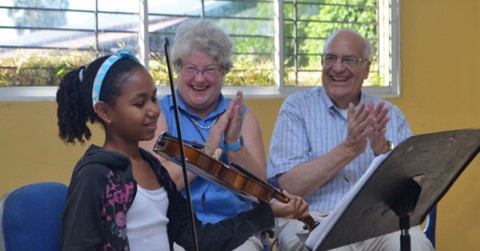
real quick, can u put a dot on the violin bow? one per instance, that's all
(182, 146)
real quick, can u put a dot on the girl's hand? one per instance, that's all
(295, 208)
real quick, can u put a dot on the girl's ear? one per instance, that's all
(103, 111)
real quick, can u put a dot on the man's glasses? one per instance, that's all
(350, 61)
(211, 71)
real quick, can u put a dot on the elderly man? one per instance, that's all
(326, 137)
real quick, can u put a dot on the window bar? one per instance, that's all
(97, 42)
(143, 41)
(295, 40)
(279, 39)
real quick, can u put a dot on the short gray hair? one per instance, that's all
(203, 35)
(367, 47)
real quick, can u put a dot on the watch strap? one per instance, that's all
(235, 146)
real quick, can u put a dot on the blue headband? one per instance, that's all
(102, 72)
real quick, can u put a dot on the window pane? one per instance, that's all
(117, 5)
(308, 24)
(55, 27)
(82, 5)
(248, 23)
(179, 7)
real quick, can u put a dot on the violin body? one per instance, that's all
(232, 176)
(217, 172)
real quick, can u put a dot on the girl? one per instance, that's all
(120, 197)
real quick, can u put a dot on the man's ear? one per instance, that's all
(367, 69)
(103, 111)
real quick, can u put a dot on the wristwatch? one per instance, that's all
(235, 146)
(390, 146)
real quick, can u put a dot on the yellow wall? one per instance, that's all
(440, 91)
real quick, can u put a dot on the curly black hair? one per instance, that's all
(74, 97)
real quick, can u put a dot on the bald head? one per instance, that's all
(343, 79)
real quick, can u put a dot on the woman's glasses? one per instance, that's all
(209, 72)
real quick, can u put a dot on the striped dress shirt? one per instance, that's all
(308, 126)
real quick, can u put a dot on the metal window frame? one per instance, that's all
(47, 93)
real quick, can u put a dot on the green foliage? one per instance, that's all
(35, 69)
(374, 79)
(361, 19)
(327, 15)
(258, 43)
(241, 75)
(30, 69)
(249, 72)
(158, 69)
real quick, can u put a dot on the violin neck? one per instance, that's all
(280, 196)
(310, 223)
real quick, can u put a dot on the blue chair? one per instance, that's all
(431, 224)
(30, 217)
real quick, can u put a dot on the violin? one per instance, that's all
(232, 176)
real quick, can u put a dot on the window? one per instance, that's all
(277, 44)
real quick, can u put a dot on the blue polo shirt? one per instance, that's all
(211, 202)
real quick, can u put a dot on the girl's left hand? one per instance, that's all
(295, 208)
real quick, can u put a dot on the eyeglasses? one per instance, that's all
(211, 71)
(349, 61)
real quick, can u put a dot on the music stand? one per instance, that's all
(398, 190)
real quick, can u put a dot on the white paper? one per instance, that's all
(318, 234)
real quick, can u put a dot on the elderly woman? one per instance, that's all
(201, 55)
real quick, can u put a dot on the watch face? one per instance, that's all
(390, 145)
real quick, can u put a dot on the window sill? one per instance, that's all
(48, 93)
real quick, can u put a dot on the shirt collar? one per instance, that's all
(329, 103)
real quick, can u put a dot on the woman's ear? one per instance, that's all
(103, 111)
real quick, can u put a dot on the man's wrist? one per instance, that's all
(387, 148)
(390, 146)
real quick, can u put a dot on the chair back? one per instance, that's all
(30, 217)
(431, 225)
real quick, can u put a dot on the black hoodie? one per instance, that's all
(102, 190)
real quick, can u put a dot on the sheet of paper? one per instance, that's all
(318, 234)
